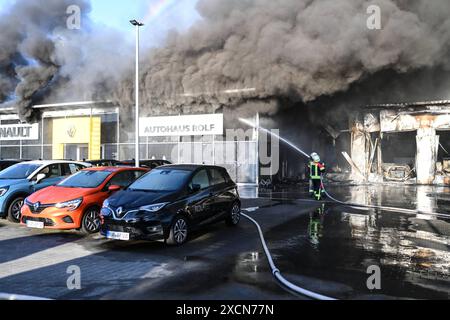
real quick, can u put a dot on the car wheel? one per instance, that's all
(14, 210)
(178, 232)
(91, 221)
(234, 216)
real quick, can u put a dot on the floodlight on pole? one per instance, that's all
(137, 24)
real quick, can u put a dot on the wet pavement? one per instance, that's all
(338, 244)
(325, 248)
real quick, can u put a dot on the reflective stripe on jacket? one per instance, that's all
(316, 169)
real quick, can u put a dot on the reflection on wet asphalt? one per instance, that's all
(336, 243)
(423, 198)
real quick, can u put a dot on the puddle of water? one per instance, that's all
(423, 198)
(331, 244)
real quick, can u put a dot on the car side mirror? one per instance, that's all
(114, 188)
(40, 177)
(196, 188)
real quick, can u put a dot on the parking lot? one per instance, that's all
(228, 263)
(219, 262)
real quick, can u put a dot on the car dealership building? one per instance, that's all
(94, 130)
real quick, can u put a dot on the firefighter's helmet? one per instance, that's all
(315, 157)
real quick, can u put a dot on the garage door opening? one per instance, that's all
(399, 155)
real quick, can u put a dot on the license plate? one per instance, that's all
(118, 235)
(35, 224)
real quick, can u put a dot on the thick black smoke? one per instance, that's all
(42, 60)
(292, 52)
(27, 50)
(296, 49)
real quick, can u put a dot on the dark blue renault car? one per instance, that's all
(171, 201)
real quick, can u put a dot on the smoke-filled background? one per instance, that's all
(315, 55)
(299, 51)
(42, 60)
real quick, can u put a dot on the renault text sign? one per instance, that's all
(195, 125)
(19, 132)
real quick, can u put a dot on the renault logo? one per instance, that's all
(72, 131)
(119, 211)
(36, 206)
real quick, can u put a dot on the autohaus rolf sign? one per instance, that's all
(13, 132)
(193, 125)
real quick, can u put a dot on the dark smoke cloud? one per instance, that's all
(41, 60)
(293, 52)
(296, 49)
(387, 86)
(27, 51)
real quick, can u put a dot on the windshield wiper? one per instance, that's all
(142, 190)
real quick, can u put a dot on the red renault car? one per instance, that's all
(75, 202)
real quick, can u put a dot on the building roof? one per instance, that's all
(10, 109)
(414, 105)
(87, 104)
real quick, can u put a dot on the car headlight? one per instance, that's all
(105, 212)
(106, 203)
(3, 191)
(70, 205)
(153, 207)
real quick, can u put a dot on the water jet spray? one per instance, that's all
(251, 124)
(392, 209)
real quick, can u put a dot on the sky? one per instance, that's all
(160, 16)
(157, 14)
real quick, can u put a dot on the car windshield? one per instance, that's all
(161, 180)
(18, 171)
(85, 179)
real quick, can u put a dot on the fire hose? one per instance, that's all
(276, 272)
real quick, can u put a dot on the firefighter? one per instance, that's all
(316, 170)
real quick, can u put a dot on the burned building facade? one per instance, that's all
(401, 142)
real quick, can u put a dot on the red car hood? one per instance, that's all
(54, 194)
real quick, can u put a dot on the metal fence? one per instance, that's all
(238, 157)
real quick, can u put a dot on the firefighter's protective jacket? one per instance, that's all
(316, 170)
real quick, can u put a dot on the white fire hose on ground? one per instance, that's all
(276, 272)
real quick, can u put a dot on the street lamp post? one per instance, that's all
(137, 24)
